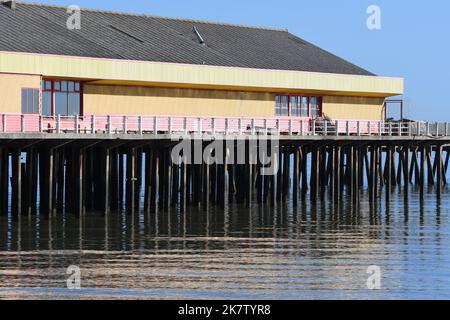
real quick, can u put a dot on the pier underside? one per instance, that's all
(53, 173)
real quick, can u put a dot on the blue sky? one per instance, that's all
(413, 42)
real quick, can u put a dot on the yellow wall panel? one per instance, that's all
(169, 101)
(353, 108)
(11, 90)
(243, 79)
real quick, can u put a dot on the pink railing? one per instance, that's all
(20, 123)
(215, 125)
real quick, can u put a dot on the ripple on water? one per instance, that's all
(305, 252)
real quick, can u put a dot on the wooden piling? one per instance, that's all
(17, 182)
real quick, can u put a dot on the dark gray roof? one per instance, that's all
(37, 28)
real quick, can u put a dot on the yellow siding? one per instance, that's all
(213, 77)
(169, 101)
(11, 90)
(351, 108)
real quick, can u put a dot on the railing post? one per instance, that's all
(400, 129)
(76, 124)
(314, 127)
(41, 123)
(58, 124)
(302, 129)
(253, 129)
(200, 129)
(337, 128)
(358, 128)
(409, 129)
(427, 128)
(155, 125)
(185, 125)
(437, 129)
(226, 126)
(109, 125)
(140, 124)
(369, 128)
(347, 128)
(446, 129)
(170, 125)
(240, 125)
(125, 124)
(290, 127)
(93, 124)
(22, 120)
(380, 131)
(277, 127)
(213, 126)
(325, 128)
(4, 122)
(266, 130)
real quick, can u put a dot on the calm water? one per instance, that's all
(309, 252)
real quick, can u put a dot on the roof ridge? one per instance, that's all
(157, 17)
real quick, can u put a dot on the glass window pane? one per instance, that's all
(315, 109)
(46, 103)
(64, 86)
(77, 86)
(304, 107)
(57, 86)
(48, 85)
(278, 105)
(71, 86)
(24, 101)
(29, 101)
(296, 105)
(284, 106)
(60, 103)
(35, 101)
(74, 104)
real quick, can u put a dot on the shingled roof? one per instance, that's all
(37, 28)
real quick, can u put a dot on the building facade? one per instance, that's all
(124, 65)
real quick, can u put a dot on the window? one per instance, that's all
(278, 105)
(298, 106)
(282, 106)
(61, 98)
(30, 101)
(315, 107)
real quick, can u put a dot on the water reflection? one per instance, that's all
(313, 250)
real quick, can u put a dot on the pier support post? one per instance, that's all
(4, 170)
(439, 170)
(106, 180)
(314, 173)
(430, 174)
(121, 179)
(183, 183)
(296, 176)
(80, 205)
(406, 169)
(337, 174)
(114, 200)
(422, 172)
(60, 180)
(388, 170)
(286, 173)
(17, 182)
(130, 182)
